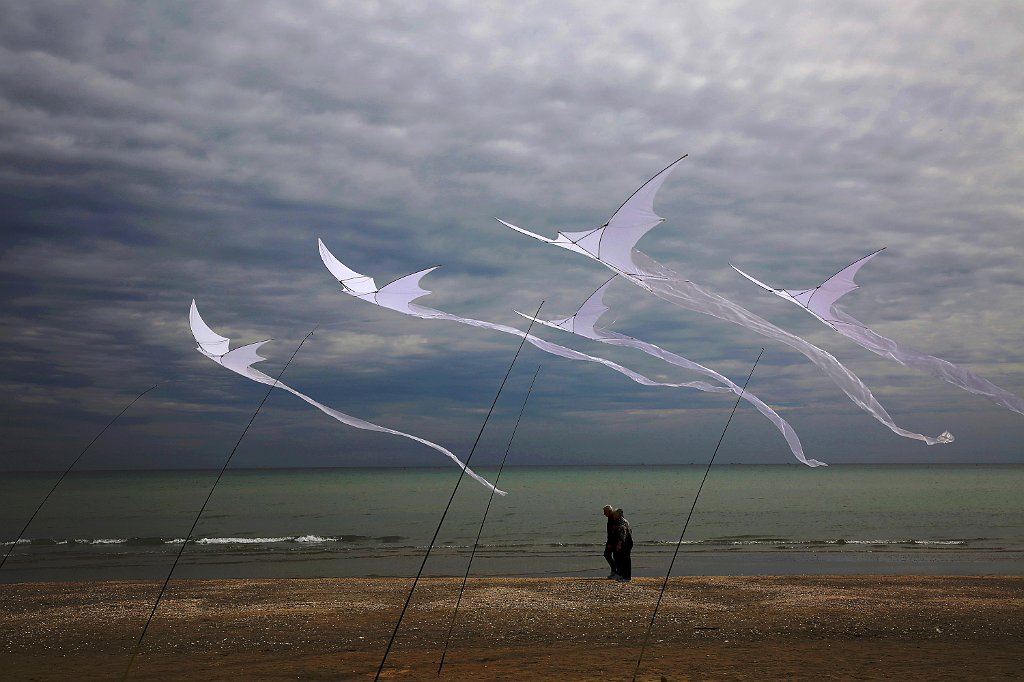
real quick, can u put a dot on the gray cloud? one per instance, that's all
(151, 153)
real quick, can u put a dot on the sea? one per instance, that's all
(343, 522)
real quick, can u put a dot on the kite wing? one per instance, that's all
(399, 294)
(210, 342)
(583, 320)
(820, 299)
(634, 219)
(241, 359)
(585, 243)
(590, 312)
(353, 282)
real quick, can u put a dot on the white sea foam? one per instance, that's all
(240, 541)
(315, 538)
(264, 541)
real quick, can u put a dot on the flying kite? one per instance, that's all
(241, 359)
(400, 294)
(613, 244)
(820, 302)
(583, 321)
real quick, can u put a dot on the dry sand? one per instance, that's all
(737, 628)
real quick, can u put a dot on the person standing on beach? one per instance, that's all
(623, 546)
(609, 546)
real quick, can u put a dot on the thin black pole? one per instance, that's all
(476, 543)
(454, 490)
(654, 615)
(181, 550)
(68, 470)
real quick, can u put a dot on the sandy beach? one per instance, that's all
(862, 627)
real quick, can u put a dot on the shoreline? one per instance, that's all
(755, 627)
(290, 561)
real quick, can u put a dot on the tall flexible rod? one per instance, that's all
(664, 584)
(181, 550)
(476, 542)
(68, 471)
(452, 498)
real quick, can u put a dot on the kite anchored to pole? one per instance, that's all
(207, 339)
(241, 359)
(614, 245)
(820, 302)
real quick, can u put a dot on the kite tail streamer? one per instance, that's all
(370, 426)
(476, 542)
(451, 499)
(792, 439)
(617, 339)
(685, 294)
(68, 470)
(693, 506)
(241, 361)
(181, 550)
(781, 424)
(864, 337)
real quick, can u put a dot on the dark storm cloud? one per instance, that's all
(155, 152)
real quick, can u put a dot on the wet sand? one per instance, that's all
(744, 628)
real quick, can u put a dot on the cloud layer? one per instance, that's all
(155, 152)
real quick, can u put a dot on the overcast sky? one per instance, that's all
(151, 153)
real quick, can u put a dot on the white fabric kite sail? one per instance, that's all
(613, 242)
(389, 297)
(241, 359)
(583, 324)
(820, 302)
(644, 271)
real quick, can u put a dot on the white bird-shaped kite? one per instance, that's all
(241, 359)
(820, 302)
(404, 290)
(613, 242)
(613, 245)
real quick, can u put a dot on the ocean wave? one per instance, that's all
(783, 542)
(393, 542)
(309, 538)
(318, 539)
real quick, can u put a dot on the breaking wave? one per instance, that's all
(783, 542)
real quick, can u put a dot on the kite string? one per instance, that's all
(68, 470)
(476, 542)
(452, 498)
(693, 506)
(181, 550)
